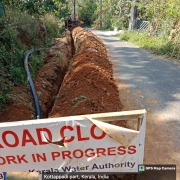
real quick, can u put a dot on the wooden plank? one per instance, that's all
(113, 116)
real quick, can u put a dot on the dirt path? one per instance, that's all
(146, 81)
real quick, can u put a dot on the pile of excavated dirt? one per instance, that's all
(88, 86)
(50, 76)
(47, 83)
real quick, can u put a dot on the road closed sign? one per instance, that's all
(73, 144)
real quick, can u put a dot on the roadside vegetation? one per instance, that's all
(115, 14)
(86, 10)
(158, 45)
(162, 36)
(24, 27)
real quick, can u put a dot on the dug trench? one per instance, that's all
(47, 82)
(88, 86)
(76, 79)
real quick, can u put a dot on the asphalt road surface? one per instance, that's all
(153, 83)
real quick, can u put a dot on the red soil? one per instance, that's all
(16, 113)
(88, 86)
(18, 108)
(47, 84)
(49, 78)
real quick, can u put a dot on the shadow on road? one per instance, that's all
(147, 81)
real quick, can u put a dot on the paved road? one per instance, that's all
(158, 81)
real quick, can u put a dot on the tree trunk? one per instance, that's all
(133, 16)
(74, 10)
(120, 9)
(100, 13)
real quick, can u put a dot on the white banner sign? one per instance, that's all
(89, 146)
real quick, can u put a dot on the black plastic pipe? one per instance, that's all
(36, 102)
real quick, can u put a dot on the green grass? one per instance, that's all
(157, 45)
(55, 97)
(79, 98)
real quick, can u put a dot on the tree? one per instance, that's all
(162, 14)
(86, 13)
(57, 7)
(133, 16)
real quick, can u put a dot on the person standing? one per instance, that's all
(77, 19)
(69, 19)
(82, 24)
(68, 22)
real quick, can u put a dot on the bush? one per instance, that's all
(109, 23)
(22, 24)
(19, 32)
(51, 24)
(86, 13)
(116, 22)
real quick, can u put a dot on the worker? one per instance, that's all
(69, 19)
(77, 19)
(82, 24)
(68, 22)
